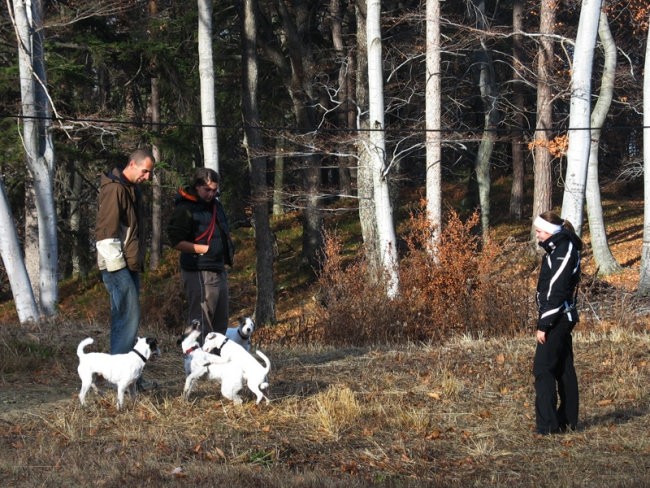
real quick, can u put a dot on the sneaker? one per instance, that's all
(146, 385)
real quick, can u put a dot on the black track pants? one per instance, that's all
(554, 373)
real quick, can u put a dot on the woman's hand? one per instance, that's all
(541, 337)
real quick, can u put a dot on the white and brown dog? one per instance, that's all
(122, 370)
(198, 363)
(254, 373)
(242, 333)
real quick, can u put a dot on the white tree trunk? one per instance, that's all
(11, 253)
(605, 262)
(580, 114)
(206, 76)
(433, 124)
(38, 143)
(377, 150)
(644, 273)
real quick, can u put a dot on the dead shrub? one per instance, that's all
(459, 286)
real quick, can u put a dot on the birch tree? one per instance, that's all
(580, 113)
(377, 150)
(433, 123)
(206, 76)
(605, 262)
(364, 171)
(38, 145)
(11, 253)
(644, 273)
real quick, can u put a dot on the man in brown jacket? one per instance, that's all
(119, 246)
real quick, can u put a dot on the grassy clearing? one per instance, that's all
(458, 413)
(453, 410)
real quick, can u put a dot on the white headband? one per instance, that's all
(546, 226)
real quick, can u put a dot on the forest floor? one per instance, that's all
(457, 413)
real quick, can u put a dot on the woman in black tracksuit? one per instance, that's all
(556, 300)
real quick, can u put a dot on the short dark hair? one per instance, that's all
(141, 154)
(203, 176)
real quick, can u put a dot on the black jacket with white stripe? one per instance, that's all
(558, 279)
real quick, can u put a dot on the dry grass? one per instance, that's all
(454, 413)
(451, 409)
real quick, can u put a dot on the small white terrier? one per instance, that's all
(242, 333)
(254, 373)
(198, 363)
(120, 369)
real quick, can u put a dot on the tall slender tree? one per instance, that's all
(544, 106)
(265, 300)
(518, 104)
(433, 121)
(644, 274)
(580, 114)
(605, 261)
(11, 253)
(387, 240)
(206, 75)
(38, 143)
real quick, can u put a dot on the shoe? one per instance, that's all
(145, 385)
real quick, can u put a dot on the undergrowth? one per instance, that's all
(460, 284)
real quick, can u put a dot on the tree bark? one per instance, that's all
(433, 121)
(39, 147)
(518, 103)
(580, 113)
(11, 253)
(605, 262)
(387, 240)
(488, 90)
(156, 183)
(206, 76)
(365, 191)
(644, 273)
(542, 191)
(265, 300)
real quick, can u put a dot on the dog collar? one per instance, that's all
(192, 349)
(218, 349)
(242, 335)
(144, 359)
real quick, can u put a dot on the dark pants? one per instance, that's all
(554, 373)
(207, 297)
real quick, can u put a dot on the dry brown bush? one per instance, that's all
(460, 286)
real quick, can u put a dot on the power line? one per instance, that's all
(389, 129)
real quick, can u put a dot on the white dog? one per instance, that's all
(254, 373)
(242, 333)
(120, 369)
(198, 363)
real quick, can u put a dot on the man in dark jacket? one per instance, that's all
(198, 229)
(119, 246)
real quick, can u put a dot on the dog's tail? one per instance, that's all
(82, 345)
(267, 362)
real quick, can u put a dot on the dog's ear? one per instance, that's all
(241, 320)
(152, 343)
(196, 324)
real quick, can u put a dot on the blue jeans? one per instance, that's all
(124, 290)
